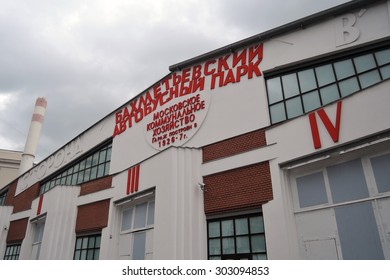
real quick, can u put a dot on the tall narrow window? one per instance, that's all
(38, 227)
(3, 196)
(136, 230)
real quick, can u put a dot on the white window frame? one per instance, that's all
(132, 202)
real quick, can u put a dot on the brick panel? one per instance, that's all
(17, 231)
(235, 145)
(96, 185)
(92, 216)
(9, 201)
(23, 201)
(238, 189)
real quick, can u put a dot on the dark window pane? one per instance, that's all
(274, 88)
(258, 243)
(311, 101)
(241, 226)
(383, 57)
(364, 63)
(228, 245)
(381, 168)
(294, 107)
(369, 79)
(214, 247)
(227, 228)
(347, 181)
(325, 75)
(278, 113)
(95, 159)
(329, 94)
(311, 190)
(344, 69)
(93, 173)
(307, 80)
(256, 224)
(88, 162)
(349, 86)
(102, 156)
(290, 85)
(385, 72)
(214, 230)
(100, 170)
(243, 244)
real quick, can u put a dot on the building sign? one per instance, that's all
(173, 109)
(174, 124)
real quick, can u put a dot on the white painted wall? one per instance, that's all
(180, 225)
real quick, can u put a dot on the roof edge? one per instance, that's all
(294, 25)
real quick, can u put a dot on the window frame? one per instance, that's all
(235, 236)
(95, 249)
(73, 175)
(347, 55)
(3, 197)
(131, 202)
(10, 253)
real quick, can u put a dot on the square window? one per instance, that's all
(364, 63)
(349, 86)
(290, 85)
(325, 75)
(236, 238)
(344, 69)
(294, 107)
(347, 181)
(369, 79)
(383, 57)
(329, 94)
(311, 101)
(307, 80)
(311, 190)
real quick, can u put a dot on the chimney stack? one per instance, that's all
(34, 133)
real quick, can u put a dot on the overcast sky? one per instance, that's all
(89, 57)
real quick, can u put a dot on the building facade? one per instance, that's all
(274, 147)
(9, 166)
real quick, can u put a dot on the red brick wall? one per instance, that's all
(23, 201)
(17, 231)
(96, 185)
(238, 189)
(92, 216)
(9, 201)
(236, 145)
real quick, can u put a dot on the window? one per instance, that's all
(87, 247)
(12, 252)
(296, 93)
(38, 228)
(341, 207)
(241, 237)
(3, 197)
(136, 230)
(94, 166)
